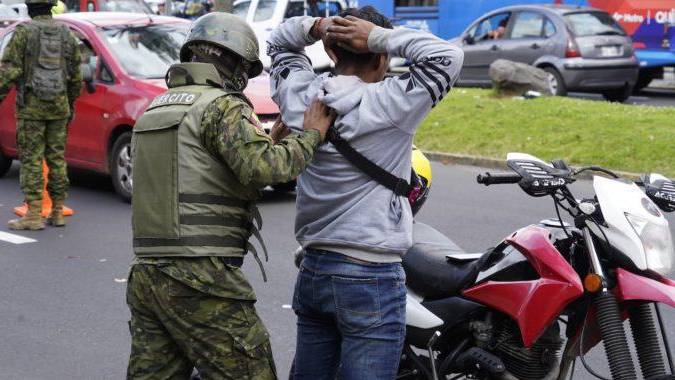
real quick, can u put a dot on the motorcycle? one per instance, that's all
(507, 313)
(549, 292)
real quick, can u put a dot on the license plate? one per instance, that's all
(610, 51)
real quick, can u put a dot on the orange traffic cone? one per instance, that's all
(46, 200)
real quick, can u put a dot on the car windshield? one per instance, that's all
(265, 10)
(241, 9)
(593, 24)
(133, 6)
(145, 51)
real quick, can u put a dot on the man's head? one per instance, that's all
(40, 7)
(374, 64)
(228, 43)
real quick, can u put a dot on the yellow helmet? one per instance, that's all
(421, 179)
(59, 8)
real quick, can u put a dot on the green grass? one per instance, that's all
(623, 137)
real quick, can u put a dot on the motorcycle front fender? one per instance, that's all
(633, 287)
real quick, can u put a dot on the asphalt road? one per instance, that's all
(62, 308)
(656, 97)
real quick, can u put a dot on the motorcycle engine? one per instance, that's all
(528, 363)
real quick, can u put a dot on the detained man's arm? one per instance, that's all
(11, 65)
(404, 100)
(232, 132)
(435, 68)
(291, 70)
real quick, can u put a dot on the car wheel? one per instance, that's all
(556, 81)
(120, 166)
(643, 81)
(5, 164)
(618, 96)
(285, 187)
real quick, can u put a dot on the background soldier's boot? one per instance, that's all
(31, 221)
(56, 218)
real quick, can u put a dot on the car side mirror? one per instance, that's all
(469, 40)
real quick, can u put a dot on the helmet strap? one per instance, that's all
(231, 70)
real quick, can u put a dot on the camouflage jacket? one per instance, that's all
(12, 73)
(231, 132)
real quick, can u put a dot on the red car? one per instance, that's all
(127, 56)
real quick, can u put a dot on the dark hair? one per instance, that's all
(367, 13)
(40, 9)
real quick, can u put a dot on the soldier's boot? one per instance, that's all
(31, 221)
(56, 218)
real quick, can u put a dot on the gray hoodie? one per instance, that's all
(339, 208)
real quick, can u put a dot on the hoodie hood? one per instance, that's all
(342, 93)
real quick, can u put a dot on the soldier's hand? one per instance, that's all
(279, 130)
(350, 33)
(320, 117)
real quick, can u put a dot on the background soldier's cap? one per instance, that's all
(48, 2)
(228, 32)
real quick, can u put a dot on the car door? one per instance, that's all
(529, 38)
(87, 128)
(482, 45)
(7, 120)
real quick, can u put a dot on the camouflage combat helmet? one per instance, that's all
(226, 31)
(47, 2)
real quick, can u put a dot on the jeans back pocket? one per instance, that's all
(357, 303)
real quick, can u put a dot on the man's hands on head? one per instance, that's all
(320, 117)
(350, 33)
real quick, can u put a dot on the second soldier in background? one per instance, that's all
(200, 160)
(43, 60)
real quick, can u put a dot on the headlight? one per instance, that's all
(657, 243)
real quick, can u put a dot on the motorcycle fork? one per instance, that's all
(609, 320)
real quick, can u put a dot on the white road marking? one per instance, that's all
(15, 239)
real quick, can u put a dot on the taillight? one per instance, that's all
(572, 50)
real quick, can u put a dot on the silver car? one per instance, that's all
(582, 49)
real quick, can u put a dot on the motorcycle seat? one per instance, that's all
(436, 267)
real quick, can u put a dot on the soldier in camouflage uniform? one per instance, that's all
(200, 159)
(43, 60)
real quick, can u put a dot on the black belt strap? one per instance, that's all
(214, 220)
(203, 240)
(399, 186)
(213, 199)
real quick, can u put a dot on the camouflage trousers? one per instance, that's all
(175, 328)
(39, 140)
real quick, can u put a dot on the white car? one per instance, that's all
(265, 15)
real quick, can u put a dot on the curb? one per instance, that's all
(494, 163)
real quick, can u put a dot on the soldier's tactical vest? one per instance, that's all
(185, 201)
(46, 48)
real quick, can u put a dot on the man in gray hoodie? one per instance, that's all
(350, 293)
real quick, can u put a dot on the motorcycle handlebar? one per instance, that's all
(488, 179)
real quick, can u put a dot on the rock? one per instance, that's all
(515, 78)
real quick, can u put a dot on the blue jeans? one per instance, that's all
(351, 318)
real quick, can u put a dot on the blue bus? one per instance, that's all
(651, 23)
